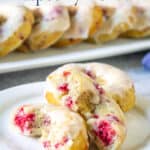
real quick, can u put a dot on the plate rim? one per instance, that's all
(75, 56)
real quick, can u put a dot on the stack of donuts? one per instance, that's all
(57, 24)
(85, 106)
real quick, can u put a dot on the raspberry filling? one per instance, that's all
(99, 88)
(90, 74)
(69, 102)
(24, 121)
(105, 132)
(64, 88)
(66, 73)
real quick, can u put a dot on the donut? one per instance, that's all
(75, 90)
(57, 127)
(85, 22)
(51, 21)
(118, 17)
(15, 26)
(116, 83)
(141, 27)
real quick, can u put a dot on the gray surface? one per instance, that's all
(130, 63)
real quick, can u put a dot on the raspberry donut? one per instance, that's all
(142, 25)
(85, 21)
(51, 21)
(74, 89)
(15, 26)
(116, 83)
(58, 127)
(118, 17)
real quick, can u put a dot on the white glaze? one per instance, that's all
(61, 22)
(116, 81)
(82, 21)
(63, 124)
(14, 15)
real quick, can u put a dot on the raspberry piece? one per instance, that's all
(64, 88)
(54, 13)
(64, 140)
(46, 144)
(62, 143)
(90, 74)
(47, 121)
(95, 116)
(69, 102)
(24, 121)
(105, 132)
(57, 145)
(99, 88)
(66, 73)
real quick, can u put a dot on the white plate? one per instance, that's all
(52, 56)
(138, 123)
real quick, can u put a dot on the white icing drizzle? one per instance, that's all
(82, 20)
(14, 18)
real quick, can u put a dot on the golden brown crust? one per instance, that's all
(19, 36)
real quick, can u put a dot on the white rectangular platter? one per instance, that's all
(54, 56)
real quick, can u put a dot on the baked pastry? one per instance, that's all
(15, 26)
(51, 21)
(85, 22)
(116, 83)
(118, 17)
(73, 88)
(58, 127)
(141, 27)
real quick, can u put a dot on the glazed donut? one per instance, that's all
(85, 22)
(15, 26)
(51, 21)
(142, 24)
(58, 127)
(116, 83)
(74, 89)
(118, 17)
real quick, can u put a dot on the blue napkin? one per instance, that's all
(146, 61)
